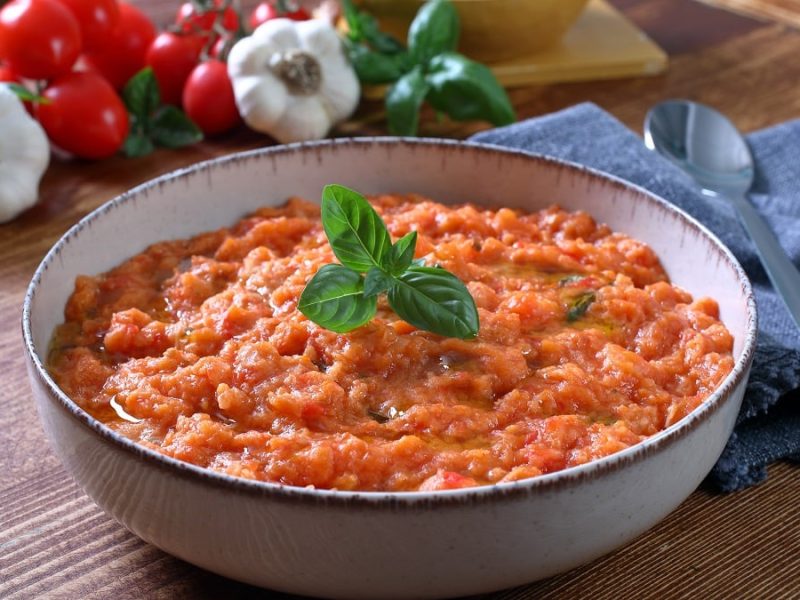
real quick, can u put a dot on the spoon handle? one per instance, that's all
(782, 273)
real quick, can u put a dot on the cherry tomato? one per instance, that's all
(193, 22)
(39, 39)
(208, 98)
(97, 20)
(266, 11)
(8, 75)
(124, 55)
(173, 57)
(84, 115)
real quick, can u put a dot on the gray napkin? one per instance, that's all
(768, 428)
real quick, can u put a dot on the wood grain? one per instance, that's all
(786, 11)
(55, 543)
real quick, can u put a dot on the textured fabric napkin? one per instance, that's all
(768, 428)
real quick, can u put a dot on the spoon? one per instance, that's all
(706, 145)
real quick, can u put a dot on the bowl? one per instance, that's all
(385, 545)
(491, 30)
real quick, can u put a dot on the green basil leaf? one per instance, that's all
(356, 233)
(171, 128)
(579, 305)
(375, 68)
(352, 16)
(362, 27)
(334, 299)
(376, 282)
(24, 94)
(141, 95)
(402, 253)
(467, 90)
(434, 30)
(435, 300)
(137, 144)
(403, 101)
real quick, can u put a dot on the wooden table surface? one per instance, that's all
(55, 543)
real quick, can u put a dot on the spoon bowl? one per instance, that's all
(707, 146)
(703, 143)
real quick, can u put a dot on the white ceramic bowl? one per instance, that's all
(384, 545)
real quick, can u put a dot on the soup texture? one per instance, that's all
(195, 348)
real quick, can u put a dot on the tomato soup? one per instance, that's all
(195, 348)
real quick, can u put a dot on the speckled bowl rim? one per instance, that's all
(363, 499)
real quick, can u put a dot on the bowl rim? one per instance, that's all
(368, 499)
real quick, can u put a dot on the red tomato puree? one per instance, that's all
(195, 348)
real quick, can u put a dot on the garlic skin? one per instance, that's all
(24, 156)
(292, 80)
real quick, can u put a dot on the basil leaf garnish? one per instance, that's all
(467, 90)
(376, 282)
(341, 298)
(580, 304)
(356, 233)
(435, 300)
(334, 298)
(403, 101)
(434, 30)
(402, 253)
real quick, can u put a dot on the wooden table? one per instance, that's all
(55, 543)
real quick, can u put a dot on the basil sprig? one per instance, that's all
(154, 124)
(429, 69)
(342, 297)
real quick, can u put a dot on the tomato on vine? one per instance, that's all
(266, 11)
(172, 58)
(192, 21)
(208, 98)
(39, 39)
(83, 115)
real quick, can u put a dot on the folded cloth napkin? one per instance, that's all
(768, 428)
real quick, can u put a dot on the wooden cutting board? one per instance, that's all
(602, 44)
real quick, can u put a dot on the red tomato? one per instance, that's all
(124, 55)
(193, 22)
(266, 11)
(173, 57)
(8, 75)
(84, 115)
(97, 20)
(39, 39)
(208, 98)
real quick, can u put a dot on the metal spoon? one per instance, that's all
(708, 147)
